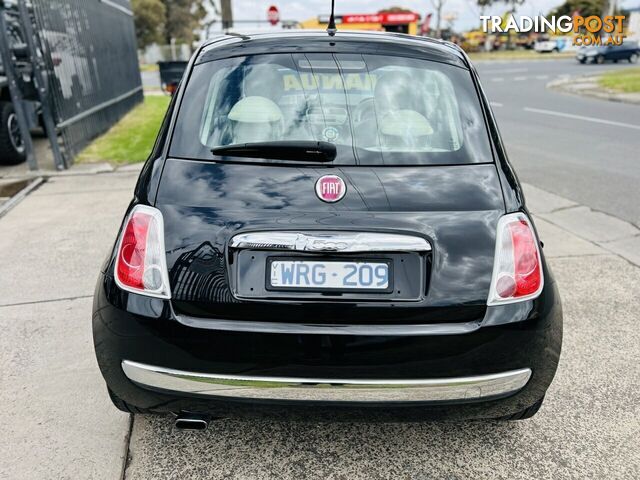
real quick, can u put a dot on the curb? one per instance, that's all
(78, 170)
(21, 195)
(519, 60)
(36, 178)
(610, 233)
(587, 86)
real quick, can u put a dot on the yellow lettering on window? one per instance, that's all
(291, 82)
(354, 82)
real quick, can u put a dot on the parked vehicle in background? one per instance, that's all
(70, 64)
(544, 44)
(170, 75)
(12, 149)
(629, 51)
(547, 44)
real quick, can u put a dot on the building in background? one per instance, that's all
(392, 21)
(633, 25)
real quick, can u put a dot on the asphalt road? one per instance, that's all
(585, 149)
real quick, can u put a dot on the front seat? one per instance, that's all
(256, 117)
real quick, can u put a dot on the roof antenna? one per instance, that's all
(331, 29)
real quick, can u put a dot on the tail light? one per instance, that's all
(141, 265)
(171, 88)
(517, 266)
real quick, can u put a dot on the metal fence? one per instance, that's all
(155, 53)
(89, 50)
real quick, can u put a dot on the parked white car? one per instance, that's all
(558, 44)
(546, 45)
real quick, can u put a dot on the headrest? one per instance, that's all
(255, 110)
(405, 123)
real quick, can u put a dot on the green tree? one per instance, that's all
(483, 4)
(395, 9)
(149, 18)
(512, 5)
(182, 19)
(585, 8)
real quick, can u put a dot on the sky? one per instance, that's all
(466, 10)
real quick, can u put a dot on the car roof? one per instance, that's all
(305, 41)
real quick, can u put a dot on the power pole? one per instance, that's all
(227, 14)
(437, 5)
(608, 8)
(42, 86)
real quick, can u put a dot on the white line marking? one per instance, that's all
(580, 117)
(542, 77)
(499, 79)
(514, 70)
(495, 104)
(519, 79)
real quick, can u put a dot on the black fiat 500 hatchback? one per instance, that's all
(328, 227)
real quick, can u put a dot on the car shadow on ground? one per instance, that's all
(267, 449)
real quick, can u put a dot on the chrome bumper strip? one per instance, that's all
(328, 329)
(327, 390)
(340, 242)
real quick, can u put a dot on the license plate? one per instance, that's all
(329, 275)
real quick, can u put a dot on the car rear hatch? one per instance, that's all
(454, 209)
(248, 237)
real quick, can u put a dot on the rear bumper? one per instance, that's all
(327, 390)
(496, 369)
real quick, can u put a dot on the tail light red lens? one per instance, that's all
(141, 263)
(171, 88)
(517, 269)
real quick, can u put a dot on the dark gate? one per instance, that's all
(89, 49)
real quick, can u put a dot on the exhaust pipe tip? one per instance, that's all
(191, 421)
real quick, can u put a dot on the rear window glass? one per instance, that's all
(377, 110)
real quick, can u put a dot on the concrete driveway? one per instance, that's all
(58, 422)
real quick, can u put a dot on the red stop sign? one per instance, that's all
(273, 15)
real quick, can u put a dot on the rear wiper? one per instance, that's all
(294, 150)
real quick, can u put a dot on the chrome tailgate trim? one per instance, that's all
(347, 242)
(328, 329)
(327, 390)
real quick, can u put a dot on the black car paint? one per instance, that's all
(133, 326)
(223, 200)
(206, 202)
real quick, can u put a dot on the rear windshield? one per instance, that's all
(377, 110)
